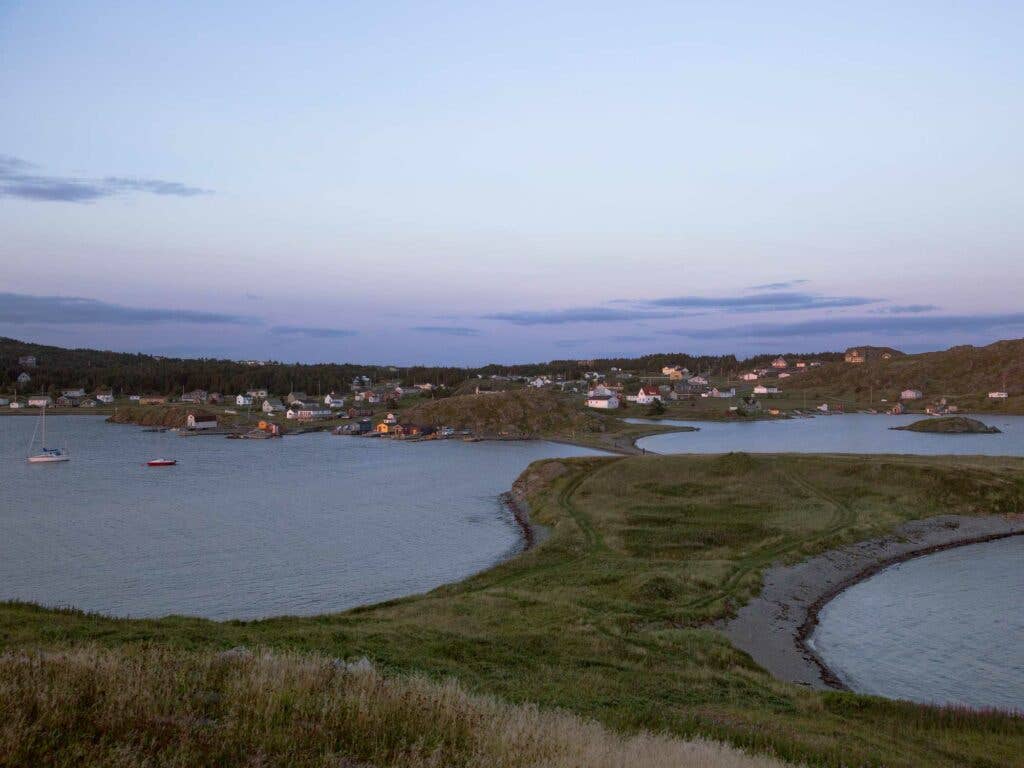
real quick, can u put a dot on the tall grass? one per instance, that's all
(95, 707)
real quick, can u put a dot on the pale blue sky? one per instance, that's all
(467, 182)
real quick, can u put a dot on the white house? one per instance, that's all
(780, 362)
(605, 402)
(24, 378)
(15, 404)
(539, 381)
(39, 401)
(105, 397)
(647, 395)
(272, 405)
(911, 394)
(723, 393)
(784, 375)
(823, 407)
(998, 395)
(334, 400)
(699, 380)
(600, 391)
(28, 361)
(749, 377)
(391, 419)
(201, 421)
(134, 398)
(257, 394)
(307, 412)
(73, 392)
(243, 401)
(761, 389)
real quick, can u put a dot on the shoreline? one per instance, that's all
(774, 628)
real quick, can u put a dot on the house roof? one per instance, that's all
(645, 390)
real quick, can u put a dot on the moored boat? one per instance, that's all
(45, 455)
(161, 462)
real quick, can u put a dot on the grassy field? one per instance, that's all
(611, 618)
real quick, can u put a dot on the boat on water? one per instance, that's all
(161, 462)
(45, 455)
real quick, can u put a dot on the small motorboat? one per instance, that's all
(161, 463)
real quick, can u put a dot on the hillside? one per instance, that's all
(158, 416)
(517, 413)
(964, 374)
(950, 425)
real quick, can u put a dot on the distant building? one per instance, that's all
(24, 378)
(257, 394)
(105, 397)
(307, 412)
(73, 393)
(998, 395)
(272, 405)
(911, 394)
(27, 361)
(243, 401)
(195, 396)
(4, 401)
(854, 356)
(699, 380)
(801, 364)
(761, 389)
(200, 420)
(296, 397)
(780, 363)
(784, 375)
(647, 395)
(749, 376)
(39, 401)
(65, 401)
(675, 372)
(721, 393)
(334, 400)
(152, 400)
(603, 402)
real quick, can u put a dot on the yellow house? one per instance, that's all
(383, 428)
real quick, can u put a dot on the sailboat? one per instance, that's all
(45, 455)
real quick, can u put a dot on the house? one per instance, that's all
(823, 407)
(105, 397)
(296, 397)
(134, 398)
(195, 396)
(73, 393)
(213, 397)
(779, 363)
(749, 376)
(243, 400)
(605, 402)
(600, 391)
(4, 401)
(391, 419)
(761, 389)
(998, 395)
(685, 389)
(647, 395)
(27, 361)
(257, 394)
(801, 364)
(307, 412)
(854, 356)
(199, 420)
(272, 405)
(334, 400)
(24, 378)
(675, 372)
(64, 401)
(722, 393)
(152, 400)
(897, 409)
(16, 404)
(784, 375)
(383, 428)
(39, 401)
(539, 381)
(87, 403)
(699, 380)
(911, 394)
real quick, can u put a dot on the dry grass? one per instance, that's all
(154, 707)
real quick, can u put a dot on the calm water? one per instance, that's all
(947, 628)
(850, 433)
(248, 528)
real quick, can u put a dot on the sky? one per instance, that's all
(463, 183)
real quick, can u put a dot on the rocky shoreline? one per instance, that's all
(775, 626)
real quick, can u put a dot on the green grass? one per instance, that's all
(612, 617)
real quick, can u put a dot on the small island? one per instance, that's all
(950, 425)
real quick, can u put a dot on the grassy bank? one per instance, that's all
(610, 617)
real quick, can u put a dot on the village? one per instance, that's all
(368, 408)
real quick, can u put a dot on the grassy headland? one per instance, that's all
(950, 425)
(611, 617)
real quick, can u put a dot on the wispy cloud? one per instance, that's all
(311, 332)
(778, 286)
(447, 330)
(908, 309)
(578, 315)
(22, 309)
(21, 180)
(885, 325)
(763, 302)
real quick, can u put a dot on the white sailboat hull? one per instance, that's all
(46, 459)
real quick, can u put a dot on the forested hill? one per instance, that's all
(137, 373)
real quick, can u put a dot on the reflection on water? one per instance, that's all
(946, 628)
(248, 528)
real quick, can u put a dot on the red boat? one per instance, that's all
(161, 463)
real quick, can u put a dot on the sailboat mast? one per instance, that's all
(43, 419)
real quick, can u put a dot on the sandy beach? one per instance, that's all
(773, 627)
